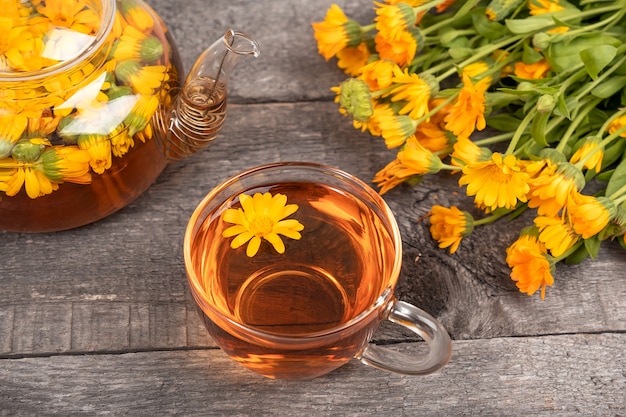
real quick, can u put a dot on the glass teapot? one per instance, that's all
(92, 107)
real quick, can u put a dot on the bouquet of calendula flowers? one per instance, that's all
(544, 80)
(60, 122)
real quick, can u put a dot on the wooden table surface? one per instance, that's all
(98, 320)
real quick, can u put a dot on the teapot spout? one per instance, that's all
(199, 111)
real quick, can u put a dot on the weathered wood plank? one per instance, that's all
(289, 68)
(493, 377)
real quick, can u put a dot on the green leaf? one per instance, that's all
(530, 55)
(503, 122)
(529, 25)
(485, 27)
(540, 22)
(565, 55)
(605, 176)
(592, 245)
(563, 107)
(609, 87)
(597, 58)
(577, 256)
(538, 128)
(460, 52)
(618, 179)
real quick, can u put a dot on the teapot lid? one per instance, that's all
(42, 36)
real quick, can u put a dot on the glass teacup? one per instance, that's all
(293, 267)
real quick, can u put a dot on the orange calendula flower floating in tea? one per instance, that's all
(262, 216)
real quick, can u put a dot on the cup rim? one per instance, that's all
(384, 298)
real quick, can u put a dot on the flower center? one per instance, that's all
(261, 226)
(496, 174)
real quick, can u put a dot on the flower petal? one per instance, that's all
(253, 246)
(276, 242)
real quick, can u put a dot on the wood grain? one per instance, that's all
(99, 321)
(490, 377)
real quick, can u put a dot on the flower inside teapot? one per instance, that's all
(92, 107)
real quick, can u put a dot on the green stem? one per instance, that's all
(481, 53)
(619, 195)
(497, 214)
(520, 130)
(426, 7)
(587, 89)
(569, 251)
(608, 121)
(368, 28)
(592, 12)
(574, 124)
(588, 28)
(435, 110)
(494, 139)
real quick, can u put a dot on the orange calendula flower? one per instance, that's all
(354, 99)
(417, 158)
(143, 110)
(553, 188)
(99, 148)
(336, 32)
(617, 124)
(380, 111)
(591, 153)
(137, 45)
(66, 164)
(466, 152)
(413, 91)
(393, 19)
(137, 15)
(498, 182)
(262, 216)
(432, 137)
(476, 70)
(17, 44)
(378, 74)
(449, 226)
(401, 50)
(412, 161)
(71, 14)
(531, 266)
(396, 129)
(143, 79)
(392, 175)
(537, 7)
(534, 71)
(12, 126)
(468, 112)
(589, 215)
(352, 59)
(557, 234)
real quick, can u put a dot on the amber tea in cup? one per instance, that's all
(293, 266)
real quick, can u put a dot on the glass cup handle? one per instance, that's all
(421, 323)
